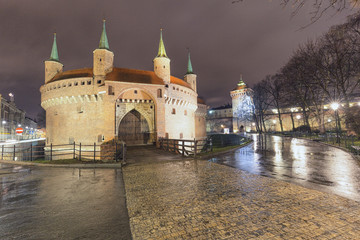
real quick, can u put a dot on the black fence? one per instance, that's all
(28, 151)
(186, 147)
(352, 143)
(109, 152)
(224, 140)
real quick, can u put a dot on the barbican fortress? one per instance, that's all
(93, 105)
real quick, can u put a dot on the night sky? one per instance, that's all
(253, 38)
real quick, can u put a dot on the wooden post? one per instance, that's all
(195, 147)
(94, 151)
(80, 153)
(183, 148)
(14, 153)
(74, 151)
(31, 152)
(50, 151)
(116, 151)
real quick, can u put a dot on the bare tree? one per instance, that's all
(261, 100)
(274, 86)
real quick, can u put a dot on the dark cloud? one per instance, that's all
(254, 38)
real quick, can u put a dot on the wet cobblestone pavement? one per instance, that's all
(204, 200)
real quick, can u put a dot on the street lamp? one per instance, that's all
(335, 106)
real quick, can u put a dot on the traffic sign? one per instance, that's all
(19, 130)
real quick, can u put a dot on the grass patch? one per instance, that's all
(62, 161)
(223, 149)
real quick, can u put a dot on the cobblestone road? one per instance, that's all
(204, 200)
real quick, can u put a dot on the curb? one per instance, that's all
(82, 165)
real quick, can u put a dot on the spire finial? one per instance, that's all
(54, 52)
(241, 82)
(104, 44)
(161, 52)
(189, 66)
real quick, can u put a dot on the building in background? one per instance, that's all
(236, 117)
(220, 119)
(11, 117)
(242, 108)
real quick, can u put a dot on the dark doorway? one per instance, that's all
(134, 129)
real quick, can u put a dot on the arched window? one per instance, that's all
(159, 93)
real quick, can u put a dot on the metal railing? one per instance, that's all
(186, 147)
(95, 152)
(352, 143)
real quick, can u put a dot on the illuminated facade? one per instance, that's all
(11, 117)
(93, 105)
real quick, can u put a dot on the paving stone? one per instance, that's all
(202, 200)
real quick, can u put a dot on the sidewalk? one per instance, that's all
(196, 199)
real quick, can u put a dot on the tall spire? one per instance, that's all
(104, 44)
(161, 52)
(54, 52)
(189, 67)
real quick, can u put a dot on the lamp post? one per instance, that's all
(335, 106)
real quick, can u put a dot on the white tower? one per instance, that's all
(162, 62)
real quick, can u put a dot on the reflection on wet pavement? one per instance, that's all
(60, 203)
(299, 161)
(204, 200)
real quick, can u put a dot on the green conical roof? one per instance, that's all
(189, 67)
(104, 44)
(54, 52)
(161, 52)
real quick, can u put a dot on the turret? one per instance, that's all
(162, 62)
(103, 57)
(53, 65)
(190, 77)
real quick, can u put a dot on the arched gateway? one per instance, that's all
(134, 129)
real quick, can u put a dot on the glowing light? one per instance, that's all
(222, 126)
(253, 124)
(274, 121)
(329, 120)
(19, 125)
(335, 106)
(11, 95)
(298, 116)
(3, 122)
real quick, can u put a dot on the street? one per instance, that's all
(62, 203)
(306, 163)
